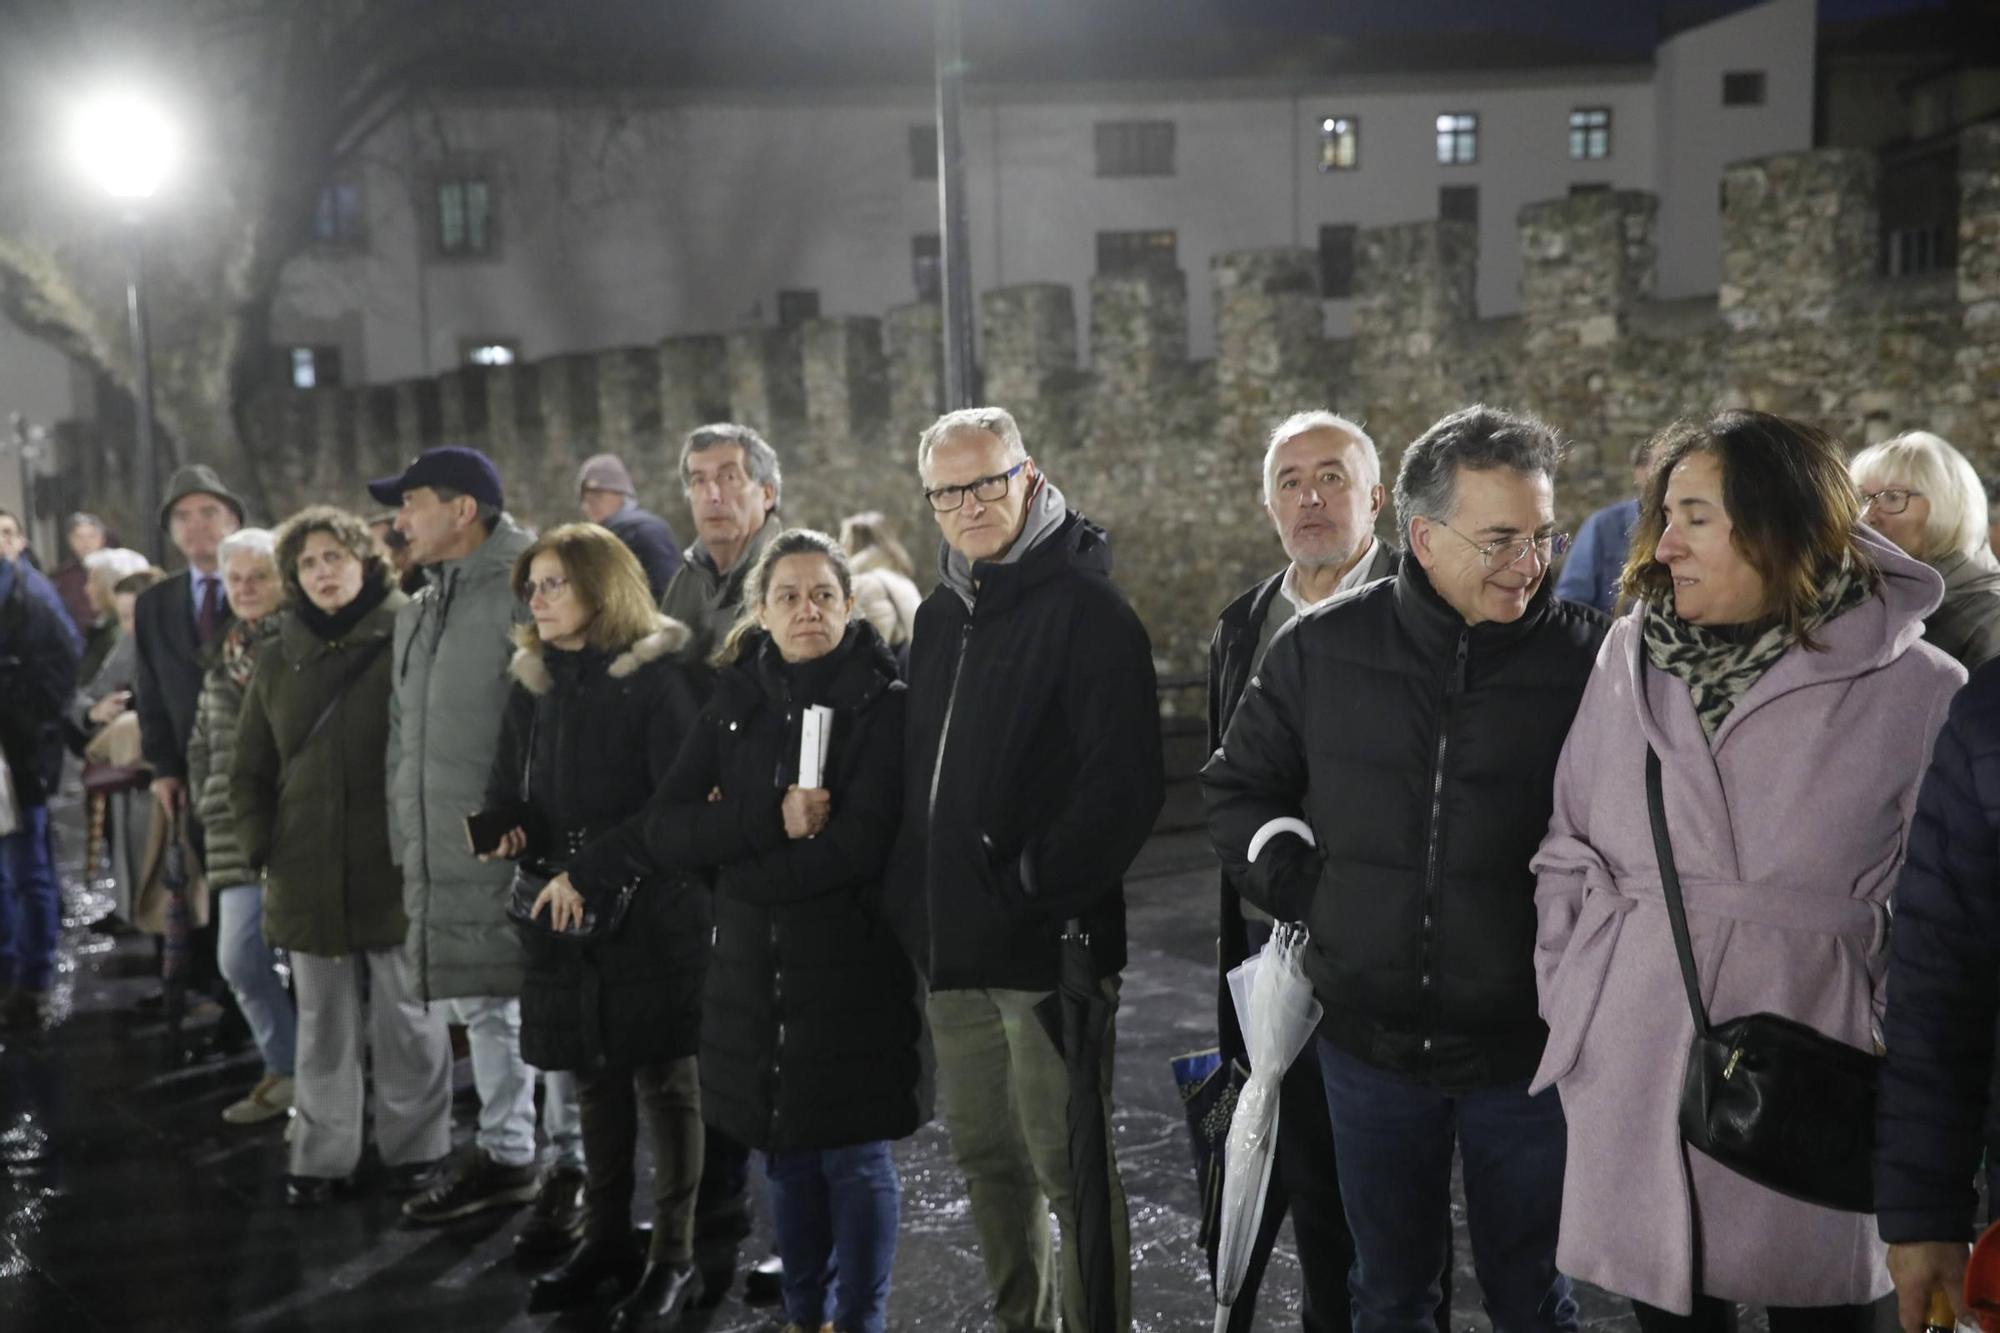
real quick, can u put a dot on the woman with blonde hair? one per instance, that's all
(1923, 495)
(884, 590)
(600, 706)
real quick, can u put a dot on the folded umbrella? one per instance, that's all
(1275, 1005)
(1076, 1016)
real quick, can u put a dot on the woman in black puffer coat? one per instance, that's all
(812, 1042)
(600, 707)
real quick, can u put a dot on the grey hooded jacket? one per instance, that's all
(450, 689)
(1967, 624)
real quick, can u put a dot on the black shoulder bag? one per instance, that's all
(354, 673)
(1773, 1100)
(600, 921)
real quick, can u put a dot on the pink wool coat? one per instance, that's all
(1788, 831)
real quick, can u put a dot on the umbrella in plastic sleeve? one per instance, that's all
(1275, 1005)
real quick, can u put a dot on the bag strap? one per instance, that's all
(1670, 884)
(354, 673)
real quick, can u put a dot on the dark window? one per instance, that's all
(1743, 87)
(337, 216)
(927, 266)
(1135, 148)
(1590, 187)
(1458, 138)
(1919, 210)
(464, 217)
(489, 351)
(1458, 203)
(796, 307)
(1590, 133)
(1339, 143)
(1132, 251)
(1336, 260)
(314, 367)
(923, 152)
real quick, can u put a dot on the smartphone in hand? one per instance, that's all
(484, 830)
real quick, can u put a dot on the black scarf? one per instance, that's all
(334, 626)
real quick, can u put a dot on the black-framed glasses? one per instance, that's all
(1891, 501)
(1506, 552)
(548, 589)
(944, 499)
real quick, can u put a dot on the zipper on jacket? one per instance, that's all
(777, 1047)
(937, 774)
(1453, 685)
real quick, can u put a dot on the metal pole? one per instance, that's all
(142, 397)
(954, 234)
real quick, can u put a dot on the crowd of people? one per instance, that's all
(752, 847)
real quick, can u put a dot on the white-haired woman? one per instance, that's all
(1924, 496)
(250, 580)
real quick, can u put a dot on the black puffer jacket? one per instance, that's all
(812, 1036)
(1034, 771)
(1422, 752)
(603, 730)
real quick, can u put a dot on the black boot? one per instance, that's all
(576, 1280)
(555, 1222)
(661, 1300)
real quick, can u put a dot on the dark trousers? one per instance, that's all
(1393, 1138)
(1718, 1316)
(609, 1101)
(725, 1177)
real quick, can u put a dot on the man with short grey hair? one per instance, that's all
(1322, 492)
(1387, 778)
(1032, 779)
(733, 484)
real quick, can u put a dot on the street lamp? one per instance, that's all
(128, 146)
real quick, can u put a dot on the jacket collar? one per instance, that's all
(532, 669)
(300, 645)
(699, 559)
(1077, 544)
(1436, 625)
(862, 670)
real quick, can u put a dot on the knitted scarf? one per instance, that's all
(1719, 668)
(240, 645)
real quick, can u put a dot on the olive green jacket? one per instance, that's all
(322, 842)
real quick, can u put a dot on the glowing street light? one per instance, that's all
(127, 144)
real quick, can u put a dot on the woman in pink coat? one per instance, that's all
(1775, 664)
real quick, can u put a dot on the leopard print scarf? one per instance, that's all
(1720, 670)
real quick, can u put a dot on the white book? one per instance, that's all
(815, 729)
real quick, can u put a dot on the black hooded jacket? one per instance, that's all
(1422, 752)
(1034, 771)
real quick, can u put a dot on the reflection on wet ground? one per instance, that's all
(127, 1204)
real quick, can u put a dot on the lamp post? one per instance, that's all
(126, 144)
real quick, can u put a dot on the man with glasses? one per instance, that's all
(733, 484)
(1386, 779)
(1032, 779)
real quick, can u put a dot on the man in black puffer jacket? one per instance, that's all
(1033, 777)
(1944, 995)
(1386, 779)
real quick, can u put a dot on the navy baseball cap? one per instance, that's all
(455, 467)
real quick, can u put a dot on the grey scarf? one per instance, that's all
(1046, 512)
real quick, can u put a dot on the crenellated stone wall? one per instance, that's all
(1165, 452)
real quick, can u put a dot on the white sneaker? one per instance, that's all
(272, 1097)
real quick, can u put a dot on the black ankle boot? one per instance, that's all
(661, 1300)
(576, 1280)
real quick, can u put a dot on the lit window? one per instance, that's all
(1743, 87)
(1458, 138)
(315, 367)
(1136, 251)
(465, 217)
(491, 351)
(1135, 148)
(1590, 133)
(1339, 143)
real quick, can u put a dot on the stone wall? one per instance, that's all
(1165, 452)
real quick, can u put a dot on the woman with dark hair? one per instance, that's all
(811, 1030)
(307, 790)
(1774, 663)
(601, 705)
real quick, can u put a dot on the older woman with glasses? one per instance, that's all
(1923, 495)
(1773, 665)
(307, 791)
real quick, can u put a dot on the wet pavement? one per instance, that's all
(127, 1204)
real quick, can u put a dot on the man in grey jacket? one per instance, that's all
(733, 482)
(450, 673)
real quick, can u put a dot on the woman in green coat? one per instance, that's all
(307, 788)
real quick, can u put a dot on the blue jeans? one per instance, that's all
(1392, 1141)
(250, 966)
(835, 1213)
(30, 904)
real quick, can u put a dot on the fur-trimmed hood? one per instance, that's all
(668, 636)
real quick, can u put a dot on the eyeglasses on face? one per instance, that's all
(1506, 552)
(986, 490)
(1890, 501)
(548, 589)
